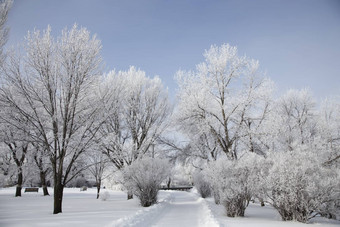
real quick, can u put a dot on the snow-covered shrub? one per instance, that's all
(299, 186)
(144, 177)
(202, 185)
(104, 195)
(234, 182)
(212, 174)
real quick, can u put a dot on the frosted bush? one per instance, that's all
(144, 177)
(299, 186)
(234, 181)
(212, 174)
(202, 185)
(104, 195)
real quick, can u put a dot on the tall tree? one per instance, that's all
(52, 88)
(220, 96)
(137, 109)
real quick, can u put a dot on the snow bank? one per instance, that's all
(207, 217)
(143, 216)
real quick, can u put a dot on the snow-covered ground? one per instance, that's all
(79, 208)
(174, 209)
(267, 216)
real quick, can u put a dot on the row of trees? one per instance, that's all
(59, 112)
(284, 151)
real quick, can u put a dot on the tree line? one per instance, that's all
(248, 145)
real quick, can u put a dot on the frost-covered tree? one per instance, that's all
(299, 186)
(98, 164)
(51, 87)
(301, 175)
(222, 107)
(295, 115)
(17, 144)
(144, 177)
(137, 110)
(18, 153)
(220, 96)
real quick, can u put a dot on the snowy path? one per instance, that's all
(185, 209)
(178, 209)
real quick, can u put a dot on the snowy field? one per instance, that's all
(174, 209)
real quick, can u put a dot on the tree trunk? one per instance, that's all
(98, 188)
(43, 182)
(98, 191)
(262, 202)
(19, 185)
(169, 183)
(58, 197)
(129, 195)
(45, 190)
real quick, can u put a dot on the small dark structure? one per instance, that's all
(31, 189)
(179, 188)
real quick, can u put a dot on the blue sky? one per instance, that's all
(296, 41)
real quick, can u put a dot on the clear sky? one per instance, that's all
(296, 41)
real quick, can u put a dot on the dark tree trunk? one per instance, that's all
(43, 182)
(39, 163)
(129, 195)
(18, 191)
(98, 191)
(19, 162)
(98, 188)
(262, 202)
(45, 190)
(169, 183)
(58, 197)
(19, 185)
